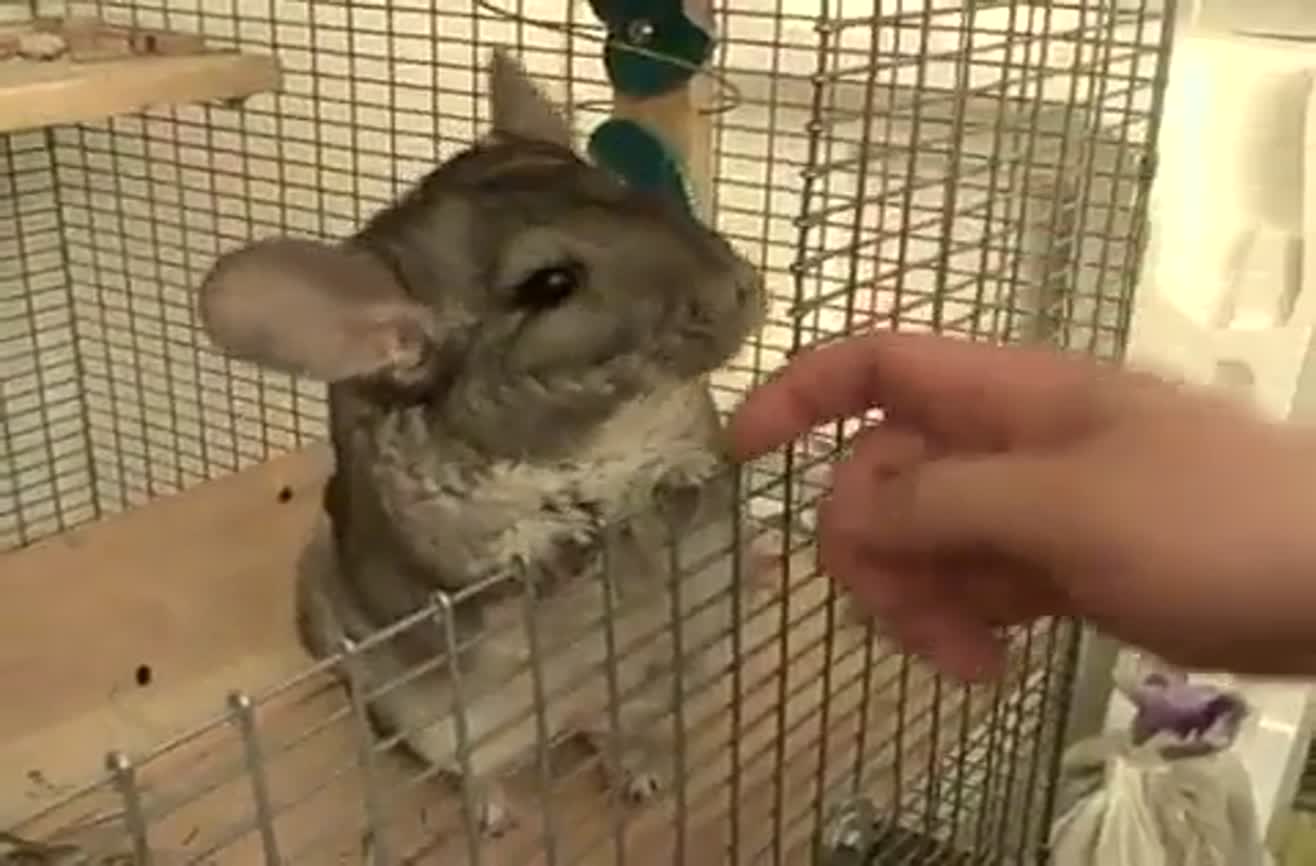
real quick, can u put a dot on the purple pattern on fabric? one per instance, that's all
(1184, 709)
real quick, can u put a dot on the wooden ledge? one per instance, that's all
(61, 71)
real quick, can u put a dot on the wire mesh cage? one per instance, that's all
(973, 168)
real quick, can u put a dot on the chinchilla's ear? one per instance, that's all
(311, 309)
(520, 108)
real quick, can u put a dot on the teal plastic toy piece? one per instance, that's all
(640, 158)
(660, 26)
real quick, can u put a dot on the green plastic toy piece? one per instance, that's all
(640, 158)
(660, 26)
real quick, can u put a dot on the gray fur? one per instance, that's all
(479, 443)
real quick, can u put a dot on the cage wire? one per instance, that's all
(972, 168)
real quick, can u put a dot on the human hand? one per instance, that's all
(1007, 484)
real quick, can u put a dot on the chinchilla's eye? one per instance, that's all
(548, 287)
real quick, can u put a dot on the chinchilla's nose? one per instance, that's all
(749, 287)
(746, 278)
(739, 287)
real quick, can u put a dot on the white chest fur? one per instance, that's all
(522, 510)
(616, 469)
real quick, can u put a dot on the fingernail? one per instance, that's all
(963, 662)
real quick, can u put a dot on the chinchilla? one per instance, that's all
(516, 354)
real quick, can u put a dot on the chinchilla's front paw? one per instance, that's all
(691, 473)
(677, 492)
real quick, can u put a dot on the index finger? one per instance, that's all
(946, 387)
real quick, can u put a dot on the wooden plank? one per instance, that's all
(141, 589)
(36, 94)
(198, 587)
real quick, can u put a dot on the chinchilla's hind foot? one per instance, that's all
(494, 814)
(638, 778)
(379, 724)
(632, 766)
(492, 809)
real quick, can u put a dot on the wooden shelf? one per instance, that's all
(35, 94)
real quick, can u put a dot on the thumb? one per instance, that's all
(1023, 507)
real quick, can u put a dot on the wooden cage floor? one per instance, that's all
(197, 589)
